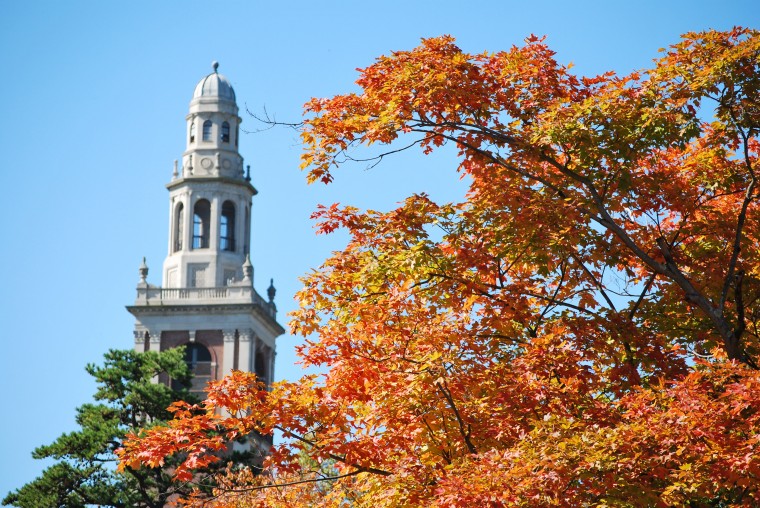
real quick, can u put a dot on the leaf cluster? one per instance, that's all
(580, 330)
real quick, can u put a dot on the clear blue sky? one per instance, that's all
(94, 96)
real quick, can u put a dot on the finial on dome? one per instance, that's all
(215, 65)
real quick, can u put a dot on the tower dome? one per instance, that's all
(214, 85)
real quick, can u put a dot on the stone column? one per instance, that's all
(253, 352)
(139, 334)
(214, 219)
(272, 354)
(155, 339)
(244, 355)
(229, 351)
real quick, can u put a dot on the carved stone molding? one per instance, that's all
(229, 335)
(139, 334)
(155, 336)
(247, 335)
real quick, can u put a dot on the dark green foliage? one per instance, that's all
(127, 398)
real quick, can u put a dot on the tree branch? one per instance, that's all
(333, 456)
(443, 388)
(284, 484)
(736, 249)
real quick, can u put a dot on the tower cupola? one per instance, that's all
(213, 128)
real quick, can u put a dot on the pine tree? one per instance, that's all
(127, 398)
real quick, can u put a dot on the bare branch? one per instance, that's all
(736, 249)
(642, 295)
(466, 433)
(283, 484)
(333, 456)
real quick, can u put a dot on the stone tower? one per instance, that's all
(207, 302)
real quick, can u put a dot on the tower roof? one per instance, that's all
(214, 85)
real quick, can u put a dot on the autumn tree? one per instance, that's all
(127, 398)
(580, 330)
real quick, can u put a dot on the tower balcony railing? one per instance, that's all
(153, 295)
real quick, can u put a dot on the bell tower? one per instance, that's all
(211, 196)
(207, 301)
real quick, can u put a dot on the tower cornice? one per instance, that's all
(263, 315)
(211, 179)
